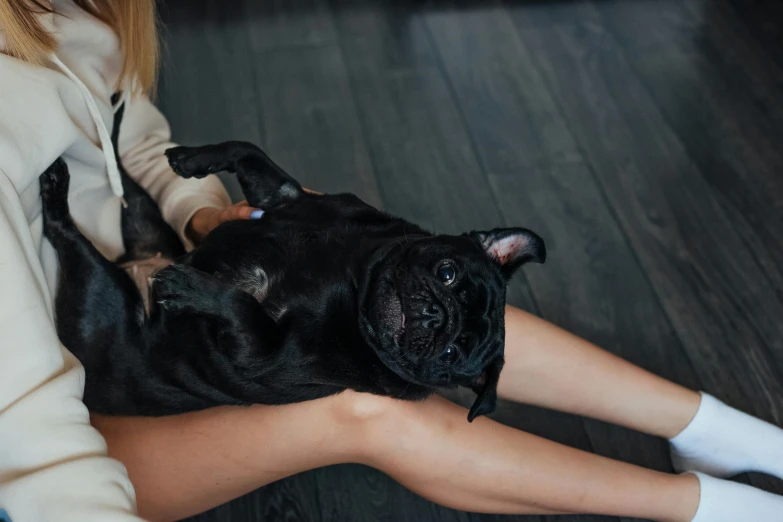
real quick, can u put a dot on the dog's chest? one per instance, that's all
(298, 272)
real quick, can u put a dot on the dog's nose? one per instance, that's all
(432, 316)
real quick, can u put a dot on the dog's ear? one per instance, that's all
(486, 387)
(511, 247)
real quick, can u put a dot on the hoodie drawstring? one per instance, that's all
(112, 170)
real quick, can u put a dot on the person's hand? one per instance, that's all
(207, 219)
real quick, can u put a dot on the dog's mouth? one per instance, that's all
(399, 335)
(401, 321)
(387, 314)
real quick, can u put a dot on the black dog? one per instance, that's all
(322, 294)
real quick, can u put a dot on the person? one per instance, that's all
(60, 63)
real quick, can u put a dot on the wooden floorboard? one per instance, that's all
(683, 235)
(206, 50)
(511, 116)
(764, 22)
(731, 132)
(687, 240)
(277, 24)
(639, 137)
(310, 122)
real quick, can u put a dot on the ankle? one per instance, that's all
(685, 494)
(682, 412)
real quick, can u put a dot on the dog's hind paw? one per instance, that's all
(54, 184)
(188, 163)
(55, 179)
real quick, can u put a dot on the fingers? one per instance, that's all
(242, 210)
(238, 211)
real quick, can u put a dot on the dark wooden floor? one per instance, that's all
(640, 138)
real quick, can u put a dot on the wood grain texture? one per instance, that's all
(205, 54)
(310, 120)
(294, 499)
(726, 111)
(279, 24)
(764, 21)
(511, 117)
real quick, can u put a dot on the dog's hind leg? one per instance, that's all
(97, 305)
(145, 233)
(264, 184)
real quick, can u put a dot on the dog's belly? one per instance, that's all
(141, 271)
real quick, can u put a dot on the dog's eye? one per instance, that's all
(450, 354)
(446, 273)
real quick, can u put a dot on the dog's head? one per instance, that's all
(432, 307)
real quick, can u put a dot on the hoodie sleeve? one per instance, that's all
(53, 463)
(144, 137)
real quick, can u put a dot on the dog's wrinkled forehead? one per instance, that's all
(444, 244)
(505, 249)
(473, 269)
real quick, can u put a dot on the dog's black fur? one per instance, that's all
(322, 294)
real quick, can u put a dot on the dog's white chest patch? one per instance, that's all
(255, 282)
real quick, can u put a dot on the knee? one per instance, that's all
(371, 425)
(361, 409)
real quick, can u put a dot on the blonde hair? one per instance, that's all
(134, 21)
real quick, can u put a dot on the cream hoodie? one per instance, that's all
(53, 464)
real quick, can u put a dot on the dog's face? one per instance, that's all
(433, 307)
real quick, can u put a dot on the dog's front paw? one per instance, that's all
(188, 162)
(180, 289)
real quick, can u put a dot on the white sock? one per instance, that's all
(726, 501)
(722, 441)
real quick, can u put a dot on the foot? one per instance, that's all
(54, 190)
(722, 441)
(726, 501)
(57, 222)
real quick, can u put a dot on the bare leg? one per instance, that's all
(185, 464)
(549, 367)
(453, 463)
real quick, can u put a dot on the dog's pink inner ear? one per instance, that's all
(506, 249)
(511, 248)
